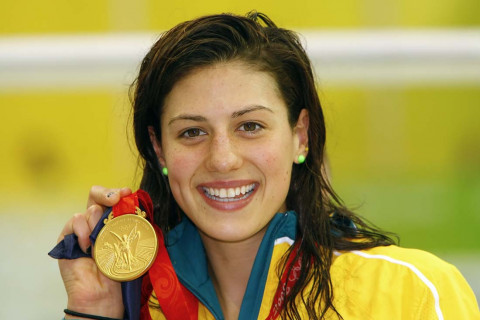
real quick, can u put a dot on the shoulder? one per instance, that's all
(412, 282)
(411, 262)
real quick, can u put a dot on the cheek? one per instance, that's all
(275, 160)
(181, 167)
(276, 168)
(279, 161)
(180, 164)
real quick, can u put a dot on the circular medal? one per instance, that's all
(125, 247)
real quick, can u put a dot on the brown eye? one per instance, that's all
(192, 133)
(251, 126)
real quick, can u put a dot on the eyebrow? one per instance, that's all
(187, 117)
(235, 114)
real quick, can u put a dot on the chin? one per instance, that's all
(231, 233)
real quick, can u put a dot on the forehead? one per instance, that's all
(223, 86)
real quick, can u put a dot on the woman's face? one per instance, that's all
(229, 149)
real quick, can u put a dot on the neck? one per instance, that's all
(230, 265)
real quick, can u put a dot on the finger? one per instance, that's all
(123, 192)
(93, 214)
(77, 225)
(105, 197)
(82, 230)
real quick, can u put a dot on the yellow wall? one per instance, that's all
(63, 141)
(57, 16)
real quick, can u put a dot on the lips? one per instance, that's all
(228, 195)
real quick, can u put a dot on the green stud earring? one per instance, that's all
(165, 171)
(301, 159)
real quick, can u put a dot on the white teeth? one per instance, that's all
(223, 193)
(229, 193)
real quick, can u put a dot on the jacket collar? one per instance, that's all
(189, 260)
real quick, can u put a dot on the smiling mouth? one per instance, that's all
(229, 194)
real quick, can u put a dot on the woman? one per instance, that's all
(231, 131)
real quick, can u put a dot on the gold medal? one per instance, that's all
(126, 246)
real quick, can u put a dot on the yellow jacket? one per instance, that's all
(379, 283)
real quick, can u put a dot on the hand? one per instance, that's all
(88, 290)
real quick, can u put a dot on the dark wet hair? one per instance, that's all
(324, 224)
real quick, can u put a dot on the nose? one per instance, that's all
(223, 154)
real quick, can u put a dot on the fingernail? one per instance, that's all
(111, 193)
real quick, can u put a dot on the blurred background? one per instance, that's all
(399, 82)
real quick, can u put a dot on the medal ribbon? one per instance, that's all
(176, 301)
(288, 280)
(126, 205)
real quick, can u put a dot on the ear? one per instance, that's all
(156, 146)
(301, 134)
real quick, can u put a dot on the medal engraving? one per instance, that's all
(125, 247)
